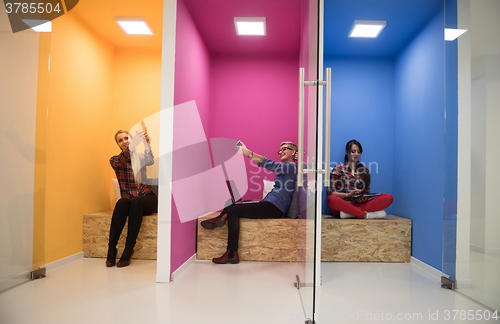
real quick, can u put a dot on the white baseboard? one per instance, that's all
(464, 283)
(434, 273)
(183, 267)
(485, 250)
(64, 261)
(162, 278)
(477, 248)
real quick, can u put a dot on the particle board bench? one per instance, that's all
(96, 236)
(373, 240)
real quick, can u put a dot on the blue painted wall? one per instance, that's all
(395, 106)
(419, 132)
(363, 109)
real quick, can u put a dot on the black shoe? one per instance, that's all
(212, 223)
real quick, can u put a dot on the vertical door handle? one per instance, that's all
(300, 160)
(328, 125)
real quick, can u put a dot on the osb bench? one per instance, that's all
(375, 240)
(96, 236)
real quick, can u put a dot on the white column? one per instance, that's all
(166, 140)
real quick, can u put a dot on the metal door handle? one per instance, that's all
(300, 160)
(327, 127)
(328, 124)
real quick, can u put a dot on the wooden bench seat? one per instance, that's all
(96, 236)
(375, 240)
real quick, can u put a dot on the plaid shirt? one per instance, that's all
(342, 179)
(123, 169)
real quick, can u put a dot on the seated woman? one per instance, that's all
(274, 205)
(137, 199)
(349, 181)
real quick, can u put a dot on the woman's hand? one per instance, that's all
(138, 138)
(242, 149)
(353, 193)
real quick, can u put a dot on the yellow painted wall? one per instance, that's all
(136, 88)
(95, 89)
(136, 94)
(78, 141)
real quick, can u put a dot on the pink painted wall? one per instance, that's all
(192, 76)
(254, 99)
(250, 98)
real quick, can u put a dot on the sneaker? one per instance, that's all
(346, 215)
(377, 214)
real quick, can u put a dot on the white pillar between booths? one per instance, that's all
(166, 140)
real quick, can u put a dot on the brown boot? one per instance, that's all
(111, 258)
(212, 223)
(126, 257)
(225, 258)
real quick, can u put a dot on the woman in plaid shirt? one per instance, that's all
(137, 199)
(347, 184)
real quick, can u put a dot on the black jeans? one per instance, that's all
(260, 210)
(133, 208)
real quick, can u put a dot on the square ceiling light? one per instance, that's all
(134, 25)
(451, 34)
(367, 28)
(40, 26)
(250, 25)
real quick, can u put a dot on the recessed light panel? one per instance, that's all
(452, 34)
(134, 25)
(250, 26)
(367, 28)
(40, 26)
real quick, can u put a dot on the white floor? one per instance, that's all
(85, 291)
(485, 279)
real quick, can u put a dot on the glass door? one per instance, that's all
(308, 180)
(472, 246)
(24, 66)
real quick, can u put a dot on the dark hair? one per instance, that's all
(348, 147)
(360, 168)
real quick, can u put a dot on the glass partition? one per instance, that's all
(477, 251)
(307, 173)
(24, 84)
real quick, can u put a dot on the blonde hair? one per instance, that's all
(291, 145)
(120, 132)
